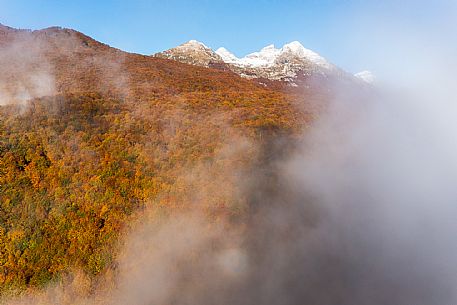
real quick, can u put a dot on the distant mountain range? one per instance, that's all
(290, 64)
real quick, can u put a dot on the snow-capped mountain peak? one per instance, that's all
(194, 44)
(366, 76)
(288, 63)
(297, 49)
(264, 58)
(226, 55)
(294, 47)
(269, 55)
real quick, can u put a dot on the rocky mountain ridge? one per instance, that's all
(289, 64)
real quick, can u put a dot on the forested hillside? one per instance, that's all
(115, 134)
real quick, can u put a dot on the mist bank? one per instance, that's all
(359, 210)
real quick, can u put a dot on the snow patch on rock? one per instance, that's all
(366, 76)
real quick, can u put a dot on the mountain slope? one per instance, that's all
(66, 61)
(91, 136)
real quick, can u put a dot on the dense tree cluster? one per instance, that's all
(75, 167)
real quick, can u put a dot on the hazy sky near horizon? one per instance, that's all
(341, 30)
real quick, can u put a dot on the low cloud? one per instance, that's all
(25, 71)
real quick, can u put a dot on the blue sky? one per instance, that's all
(338, 30)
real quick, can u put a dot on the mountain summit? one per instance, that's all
(270, 56)
(287, 64)
(192, 52)
(366, 76)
